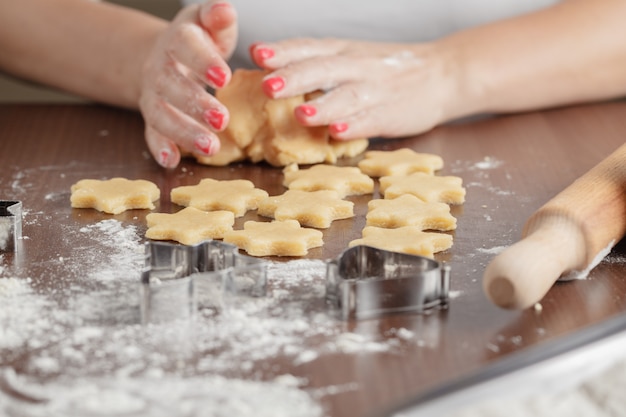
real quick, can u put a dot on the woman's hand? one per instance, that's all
(370, 89)
(187, 57)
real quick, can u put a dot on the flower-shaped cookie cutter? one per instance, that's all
(179, 279)
(10, 225)
(366, 282)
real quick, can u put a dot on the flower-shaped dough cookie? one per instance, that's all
(429, 188)
(310, 208)
(115, 195)
(403, 161)
(190, 225)
(407, 239)
(408, 210)
(237, 196)
(276, 238)
(345, 180)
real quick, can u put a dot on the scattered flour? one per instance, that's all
(82, 350)
(487, 163)
(492, 251)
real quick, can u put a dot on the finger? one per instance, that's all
(323, 73)
(279, 54)
(374, 122)
(163, 150)
(219, 19)
(191, 98)
(189, 44)
(353, 127)
(183, 130)
(340, 103)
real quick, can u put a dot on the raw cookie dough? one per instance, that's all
(408, 210)
(263, 129)
(276, 238)
(429, 188)
(345, 180)
(190, 225)
(237, 196)
(310, 208)
(407, 239)
(403, 161)
(115, 195)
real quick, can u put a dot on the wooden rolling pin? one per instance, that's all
(569, 234)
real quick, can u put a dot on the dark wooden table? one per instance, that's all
(510, 165)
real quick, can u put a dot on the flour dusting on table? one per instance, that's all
(80, 350)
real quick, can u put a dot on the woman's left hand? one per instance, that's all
(370, 89)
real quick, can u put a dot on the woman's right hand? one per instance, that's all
(191, 54)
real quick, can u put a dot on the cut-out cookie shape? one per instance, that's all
(190, 225)
(407, 239)
(115, 195)
(310, 208)
(403, 161)
(408, 210)
(276, 238)
(237, 196)
(264, 129)
(344, 180)
(429, 188)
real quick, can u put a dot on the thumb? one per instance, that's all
(219, 19)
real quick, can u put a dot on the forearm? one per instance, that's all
(573, 52)
(95, 50)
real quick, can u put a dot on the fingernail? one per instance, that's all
(338, 127)
(215, 118)
(272, 85)
(217, 75)
(252, 47)
(205, 144)
(164, 157)
(306, 110)
(262, 53)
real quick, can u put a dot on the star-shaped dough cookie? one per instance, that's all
(190, 225)
(345, 180)
(408, 210)
(429, 188)
(115, 195)
(310, 208)
(276, 238)
(237, 196)
(407, 239)
(403, 161)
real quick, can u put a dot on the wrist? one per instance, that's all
(464, 89)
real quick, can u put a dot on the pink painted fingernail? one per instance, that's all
(263, 53)
(215, 118)
(252, 47)
(205, 144)
(217, 76)
(338, 127)
(272, 85)
(164, 157)
(306, 110)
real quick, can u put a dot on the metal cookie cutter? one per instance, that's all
(365, 282)
(178, 279)
(10, 225)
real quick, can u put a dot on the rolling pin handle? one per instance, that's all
(523, 273)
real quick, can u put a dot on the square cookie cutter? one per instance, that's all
(366, 282)
(178, 279)
(10, 225)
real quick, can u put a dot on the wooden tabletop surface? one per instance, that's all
(510, 166)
